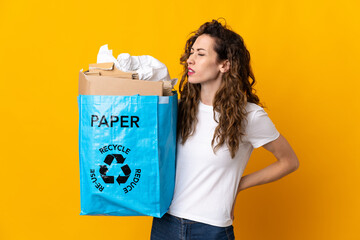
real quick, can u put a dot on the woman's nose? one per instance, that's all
(190, 60)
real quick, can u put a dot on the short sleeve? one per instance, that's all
(261, 129)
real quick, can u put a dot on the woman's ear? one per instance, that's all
(225, 66)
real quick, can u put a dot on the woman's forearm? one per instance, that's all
(268, 174)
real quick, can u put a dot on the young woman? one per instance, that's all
(220, 122)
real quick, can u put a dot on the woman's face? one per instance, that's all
(202, 61)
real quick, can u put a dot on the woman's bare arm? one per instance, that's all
(286, 163)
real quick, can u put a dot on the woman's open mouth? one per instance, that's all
(190, 71)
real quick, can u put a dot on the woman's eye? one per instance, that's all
(198, 54)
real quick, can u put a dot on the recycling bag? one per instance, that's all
(127, 148)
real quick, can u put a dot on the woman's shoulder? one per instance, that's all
(252, 107)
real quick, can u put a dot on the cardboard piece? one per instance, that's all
(109, 69)
(101, 66)
(109, 85)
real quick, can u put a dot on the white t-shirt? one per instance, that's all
(206, 183)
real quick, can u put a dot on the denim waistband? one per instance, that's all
(181, 220)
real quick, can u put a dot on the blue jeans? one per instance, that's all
(174, 228)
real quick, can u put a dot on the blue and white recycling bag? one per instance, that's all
(127, 150)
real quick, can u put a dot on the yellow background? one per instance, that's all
(305, 56)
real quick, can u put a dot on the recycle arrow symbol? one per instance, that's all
(109, 160)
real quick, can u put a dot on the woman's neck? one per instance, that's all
(208, 91)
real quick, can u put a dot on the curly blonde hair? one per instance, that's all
(235, 91)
